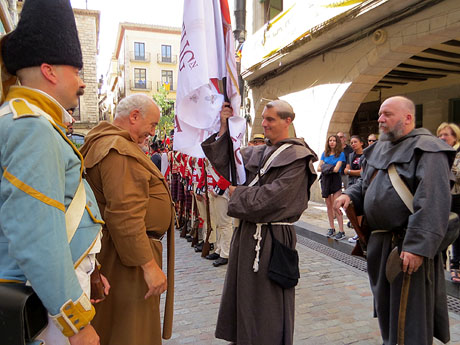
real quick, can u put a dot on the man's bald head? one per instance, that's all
(396, 118)
(283, 108)
(405, 104)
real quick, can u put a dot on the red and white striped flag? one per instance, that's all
(207, 54)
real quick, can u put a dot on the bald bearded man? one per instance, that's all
(423, 163)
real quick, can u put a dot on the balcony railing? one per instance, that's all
(140, 58)
(141, 85)
(168, 87)
(171, 60)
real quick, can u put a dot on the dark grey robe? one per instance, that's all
(423, 162)
(254, 310)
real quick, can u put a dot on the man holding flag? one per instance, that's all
(255, 310)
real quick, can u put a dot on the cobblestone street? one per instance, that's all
(333, 301)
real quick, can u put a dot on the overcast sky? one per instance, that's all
(157, 12)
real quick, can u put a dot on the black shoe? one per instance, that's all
(213, 256)
(220, 262)
(199, 247)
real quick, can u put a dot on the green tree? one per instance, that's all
(167, 112)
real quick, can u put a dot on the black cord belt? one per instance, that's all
(154, 235)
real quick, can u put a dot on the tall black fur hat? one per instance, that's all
(46, 33)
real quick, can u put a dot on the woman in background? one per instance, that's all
(450, 133)
(353, 168)
(331, 183)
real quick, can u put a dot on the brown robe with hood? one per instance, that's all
(133, 198)
(254, 310)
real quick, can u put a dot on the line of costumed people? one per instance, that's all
(198, 190)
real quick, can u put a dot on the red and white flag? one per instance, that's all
(207, 54)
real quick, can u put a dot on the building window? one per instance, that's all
(454, 110)
(272, 8)
(418, 115)
(167, 80)
(139, 51)
(165, 53)
(140, 79)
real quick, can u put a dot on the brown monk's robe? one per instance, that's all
(254, 310)
(133, 198)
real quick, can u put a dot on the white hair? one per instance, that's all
(139, 101)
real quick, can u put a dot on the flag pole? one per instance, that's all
(233, 178)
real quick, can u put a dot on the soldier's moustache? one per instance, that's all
(80, 92)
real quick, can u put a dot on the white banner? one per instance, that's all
(201, 53)
(207, 54)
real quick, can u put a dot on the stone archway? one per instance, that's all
(403, 40)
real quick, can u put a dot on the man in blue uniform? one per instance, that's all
(49, 220)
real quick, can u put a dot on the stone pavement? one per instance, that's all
(333, 299)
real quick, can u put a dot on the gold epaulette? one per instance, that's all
(20, 108)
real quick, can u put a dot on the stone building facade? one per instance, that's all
(144, 60)
(335, 61)
(8, 15)
(87, 115)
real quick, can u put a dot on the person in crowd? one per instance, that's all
(450, 133)
(346, 150)
(221, 222)
(136, 205)
(254, 309)
(258, 139)
(69, 123)
(156, 154)
(371, 139)
(423, 162)
(42, 183)
(353, 168)
(202, 204)
(332, 159)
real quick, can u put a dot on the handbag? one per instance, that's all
(22, 314)
(283, 268)
(453, 225)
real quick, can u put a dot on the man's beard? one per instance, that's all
(393, 134)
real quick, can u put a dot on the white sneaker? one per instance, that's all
(353, 239)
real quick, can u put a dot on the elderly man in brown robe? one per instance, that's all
(254, 310)
(136, 206)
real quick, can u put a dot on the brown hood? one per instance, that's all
(108, 137)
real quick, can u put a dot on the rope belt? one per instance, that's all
(258, 238)
(154, 236)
